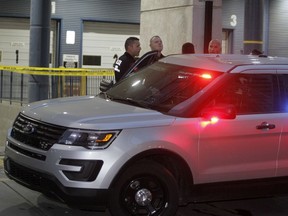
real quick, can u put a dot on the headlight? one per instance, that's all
(88, 139)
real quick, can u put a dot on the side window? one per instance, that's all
(251, 93)
(283, 83)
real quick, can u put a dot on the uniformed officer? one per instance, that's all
(132, 50)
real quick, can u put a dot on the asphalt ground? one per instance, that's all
(18, 200)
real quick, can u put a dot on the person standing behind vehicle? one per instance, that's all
(214, 47)
(156, 44)
(132, 50)
(188, 48)
(256, 52)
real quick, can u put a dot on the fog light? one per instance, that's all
(88, 172)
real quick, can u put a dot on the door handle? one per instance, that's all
(265, 126)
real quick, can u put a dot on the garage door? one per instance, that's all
(14, 41)
(102, 41)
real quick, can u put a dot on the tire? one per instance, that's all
(153, 183)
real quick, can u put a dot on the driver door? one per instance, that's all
(245, 147)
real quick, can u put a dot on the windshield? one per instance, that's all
(161, 86)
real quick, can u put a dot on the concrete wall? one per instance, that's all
(7, 113)
(177, 22)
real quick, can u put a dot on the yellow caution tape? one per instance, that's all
(252, 42)
(59, 71)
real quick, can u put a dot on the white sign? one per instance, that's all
(116, 49)
(70, 61)
(69, 57)
(17, 44)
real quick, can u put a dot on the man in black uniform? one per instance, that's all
(132, 49)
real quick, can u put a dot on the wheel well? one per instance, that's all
(172, 162)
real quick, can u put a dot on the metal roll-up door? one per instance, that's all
(102, 41)
(14, 41)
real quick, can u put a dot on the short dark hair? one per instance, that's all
(129, 41)
(152, 38)
(256, 52)
(188, 48)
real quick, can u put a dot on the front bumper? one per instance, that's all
(84, 198)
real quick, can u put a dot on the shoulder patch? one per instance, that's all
(118, 62)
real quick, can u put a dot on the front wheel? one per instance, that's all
(145, 188)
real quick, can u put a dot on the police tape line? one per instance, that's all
(59, 71)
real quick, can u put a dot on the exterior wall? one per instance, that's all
(234, 7)
(120, 11)
(15, 8)
(275, 25)
(177, 22)
(278, 28)
(71, 14)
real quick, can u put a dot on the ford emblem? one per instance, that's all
(28, 128)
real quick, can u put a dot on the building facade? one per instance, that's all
(99, 28)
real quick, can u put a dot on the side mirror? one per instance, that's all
(223, 111)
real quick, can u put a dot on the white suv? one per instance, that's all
(186, 128)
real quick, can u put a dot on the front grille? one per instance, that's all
(27, 153)
(35, 133)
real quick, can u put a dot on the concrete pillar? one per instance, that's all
(253, 26)
(40, 15)
(177, 22)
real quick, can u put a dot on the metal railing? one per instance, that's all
(14, 86)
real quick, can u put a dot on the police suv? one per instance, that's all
(187, 128)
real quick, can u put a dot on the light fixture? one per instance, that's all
(70, 37)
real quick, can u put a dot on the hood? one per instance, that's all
(92, 112)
